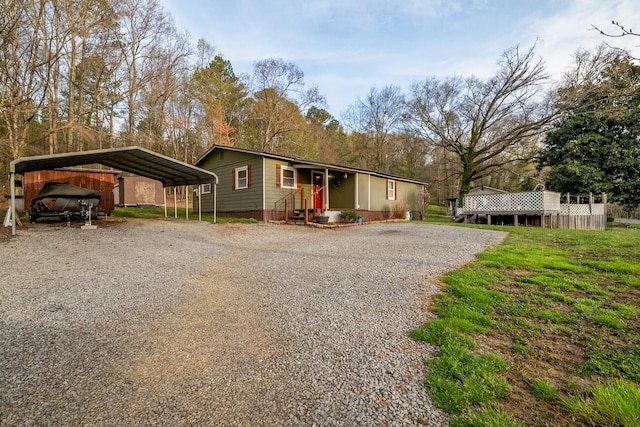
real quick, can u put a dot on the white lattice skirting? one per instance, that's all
(582, 209)
(531, 201)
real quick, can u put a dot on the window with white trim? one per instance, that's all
(205, 188)
(391, 189)
(242, 178)
(287, 177)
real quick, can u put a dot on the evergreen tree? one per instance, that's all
(595, 146)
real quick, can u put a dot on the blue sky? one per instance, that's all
(346, 47)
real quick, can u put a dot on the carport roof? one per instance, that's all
(136, 160)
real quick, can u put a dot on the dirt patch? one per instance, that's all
(5, 233)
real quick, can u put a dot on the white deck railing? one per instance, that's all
(529, 201)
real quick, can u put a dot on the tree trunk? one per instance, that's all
(466, 178)
(72, 87)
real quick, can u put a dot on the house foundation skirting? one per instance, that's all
(578, 222)
(277, 215)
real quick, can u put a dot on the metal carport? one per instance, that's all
(137, 160)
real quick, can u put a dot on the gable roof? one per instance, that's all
(485, 189)
(169, 171)
(307, 164)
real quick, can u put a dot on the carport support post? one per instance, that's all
(12, 179)
(325, 192)
(164, 195)
(175, 203)
(199, 203)
(186, 202)
(215, 200)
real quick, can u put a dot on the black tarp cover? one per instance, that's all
(63, 189)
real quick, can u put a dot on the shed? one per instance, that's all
(134, 190)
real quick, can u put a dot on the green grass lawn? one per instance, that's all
(159, 213)
(541, 330)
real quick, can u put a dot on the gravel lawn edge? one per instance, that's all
(165, 322)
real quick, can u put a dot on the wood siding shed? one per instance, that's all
(102, 181)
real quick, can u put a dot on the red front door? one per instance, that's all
(317, 180)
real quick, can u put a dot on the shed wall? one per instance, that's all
(100, 181)
(139, 190)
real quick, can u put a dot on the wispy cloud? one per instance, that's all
(348, 46)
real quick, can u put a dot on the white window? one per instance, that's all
(391, 189)
(242, 178)
(205, 189)
(288, 177)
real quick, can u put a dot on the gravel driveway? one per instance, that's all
(176, 323)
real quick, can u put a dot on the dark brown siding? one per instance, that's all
(101, 181)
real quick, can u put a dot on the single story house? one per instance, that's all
(268, 186)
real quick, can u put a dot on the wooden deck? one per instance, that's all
(536, 208)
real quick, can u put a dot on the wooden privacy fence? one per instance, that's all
(539, 208)
(581, 215)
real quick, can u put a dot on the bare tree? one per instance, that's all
(100, 78)
(377, 118)
(24, 69)
(205, 53)
(81, 23)
(619, 31)
(168, 66)
(143, 23)
(485, 124)
(278, 87)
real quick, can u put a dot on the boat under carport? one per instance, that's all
(170, 172)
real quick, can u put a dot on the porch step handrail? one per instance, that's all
(288, 202)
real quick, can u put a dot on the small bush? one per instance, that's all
(349, 215)
(400, 209)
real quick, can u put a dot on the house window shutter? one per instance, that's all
(233, 179)
(248, 176)
(299, 179)
(278, 175)
(387, 197)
